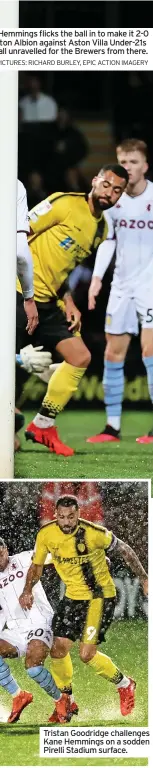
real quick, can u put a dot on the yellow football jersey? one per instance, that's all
(79, 558)
(63, 233)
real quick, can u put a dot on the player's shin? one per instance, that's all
(7, 680)
(62, 671)
(113, 383)
(42, 676)
(104, 666)
(61, 387)
(148, 362)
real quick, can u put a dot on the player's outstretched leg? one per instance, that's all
(61, 387)
(21, 699)
(35, 656)
(62, 671)
(105, 667)
(113, 384)
(148, 362)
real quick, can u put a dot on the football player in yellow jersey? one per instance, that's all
(78, 550)
(64, 230)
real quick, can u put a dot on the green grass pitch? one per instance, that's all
(97, 698)
(126, 459)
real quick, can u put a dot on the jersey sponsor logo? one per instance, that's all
(133, 223)
(73, 560)
(42, 208)
(66, 244)
(12, 577)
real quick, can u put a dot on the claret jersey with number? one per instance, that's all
(63, 234)
(131, 223)
(12, 582)
(79, 558)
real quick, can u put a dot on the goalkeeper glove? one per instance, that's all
(33, 359)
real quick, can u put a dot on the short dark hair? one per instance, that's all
(119, 170)
(2, 542)
(67, 501)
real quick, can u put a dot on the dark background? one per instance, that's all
(104, 107)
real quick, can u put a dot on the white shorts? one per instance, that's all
(124, 313)
(20, 640)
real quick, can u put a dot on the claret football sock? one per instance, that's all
(62, 671)
(63, 383)
(113, 383)
(7, 680)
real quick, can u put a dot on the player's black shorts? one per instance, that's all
(52, 328)
(85, 620)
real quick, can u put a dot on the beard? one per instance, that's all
(102, 205)
(67, 530)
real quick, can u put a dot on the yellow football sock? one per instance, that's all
(62, 671)
(104, 666)
(63, 383)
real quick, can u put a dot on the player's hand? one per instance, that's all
(95, 287)
(73, 314)
(145, 587)
(32, 315)
(34, 360)
(26, 600)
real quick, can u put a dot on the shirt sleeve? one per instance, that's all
(2, 619)
(24, 266)
(22, 209)
(25, 558)
(105, 539)
(45, 215)
(106, 249)
(40, 550)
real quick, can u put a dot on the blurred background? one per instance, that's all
(69, 124)
(120, 506)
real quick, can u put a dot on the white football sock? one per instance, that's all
(43, 421)
(114, 421)
(124, 682)
(17, 693)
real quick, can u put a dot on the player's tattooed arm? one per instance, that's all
(33, 575)
(126, 552)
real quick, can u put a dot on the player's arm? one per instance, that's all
(24, 259)
(126, 552)
(34, 573)
(33, 576)
(45, 215)
(73, 314)
(102, 261)
(25, 275)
